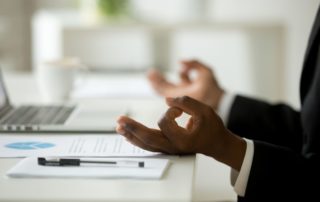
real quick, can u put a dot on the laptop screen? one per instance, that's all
(3, 95)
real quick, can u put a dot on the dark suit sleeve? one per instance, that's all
(279, 171)
(280, 174)
(257, 120)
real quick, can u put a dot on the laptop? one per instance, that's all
(55, 118)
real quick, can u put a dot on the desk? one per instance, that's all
(176, 185)
(190, 178)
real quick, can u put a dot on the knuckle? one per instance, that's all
(184, 99)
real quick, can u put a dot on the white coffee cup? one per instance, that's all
(56, 79)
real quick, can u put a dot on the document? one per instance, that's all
(29, 168)
(111, 145)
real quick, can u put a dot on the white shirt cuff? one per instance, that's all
(239, 180)
(224, 106)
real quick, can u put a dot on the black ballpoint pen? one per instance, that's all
(77, 162)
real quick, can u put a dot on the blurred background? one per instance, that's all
(256, 47)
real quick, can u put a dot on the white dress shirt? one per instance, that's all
(239, 179)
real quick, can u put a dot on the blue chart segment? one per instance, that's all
(29, 145)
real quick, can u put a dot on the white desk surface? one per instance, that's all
(190, 178)
(176, 185)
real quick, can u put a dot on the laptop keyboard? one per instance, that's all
(34, 115)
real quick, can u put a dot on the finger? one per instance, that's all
(150, 137)
(188, 105)
(158, 81)
(202, 71)
(169, 126)
(184, 74)
(194, 64)
(135, 141)
(173, 113)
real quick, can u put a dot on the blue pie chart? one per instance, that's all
(29, 145)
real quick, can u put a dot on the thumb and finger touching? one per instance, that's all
(170, 127)
(186, 104)
(168, 124)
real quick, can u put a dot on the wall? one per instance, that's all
(15, 30)
(15, 34)
(295, 15)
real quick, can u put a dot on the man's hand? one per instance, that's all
(204, 87)
(204, 133)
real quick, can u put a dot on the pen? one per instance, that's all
(77, 162)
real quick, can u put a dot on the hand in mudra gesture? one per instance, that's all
(204, 87)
